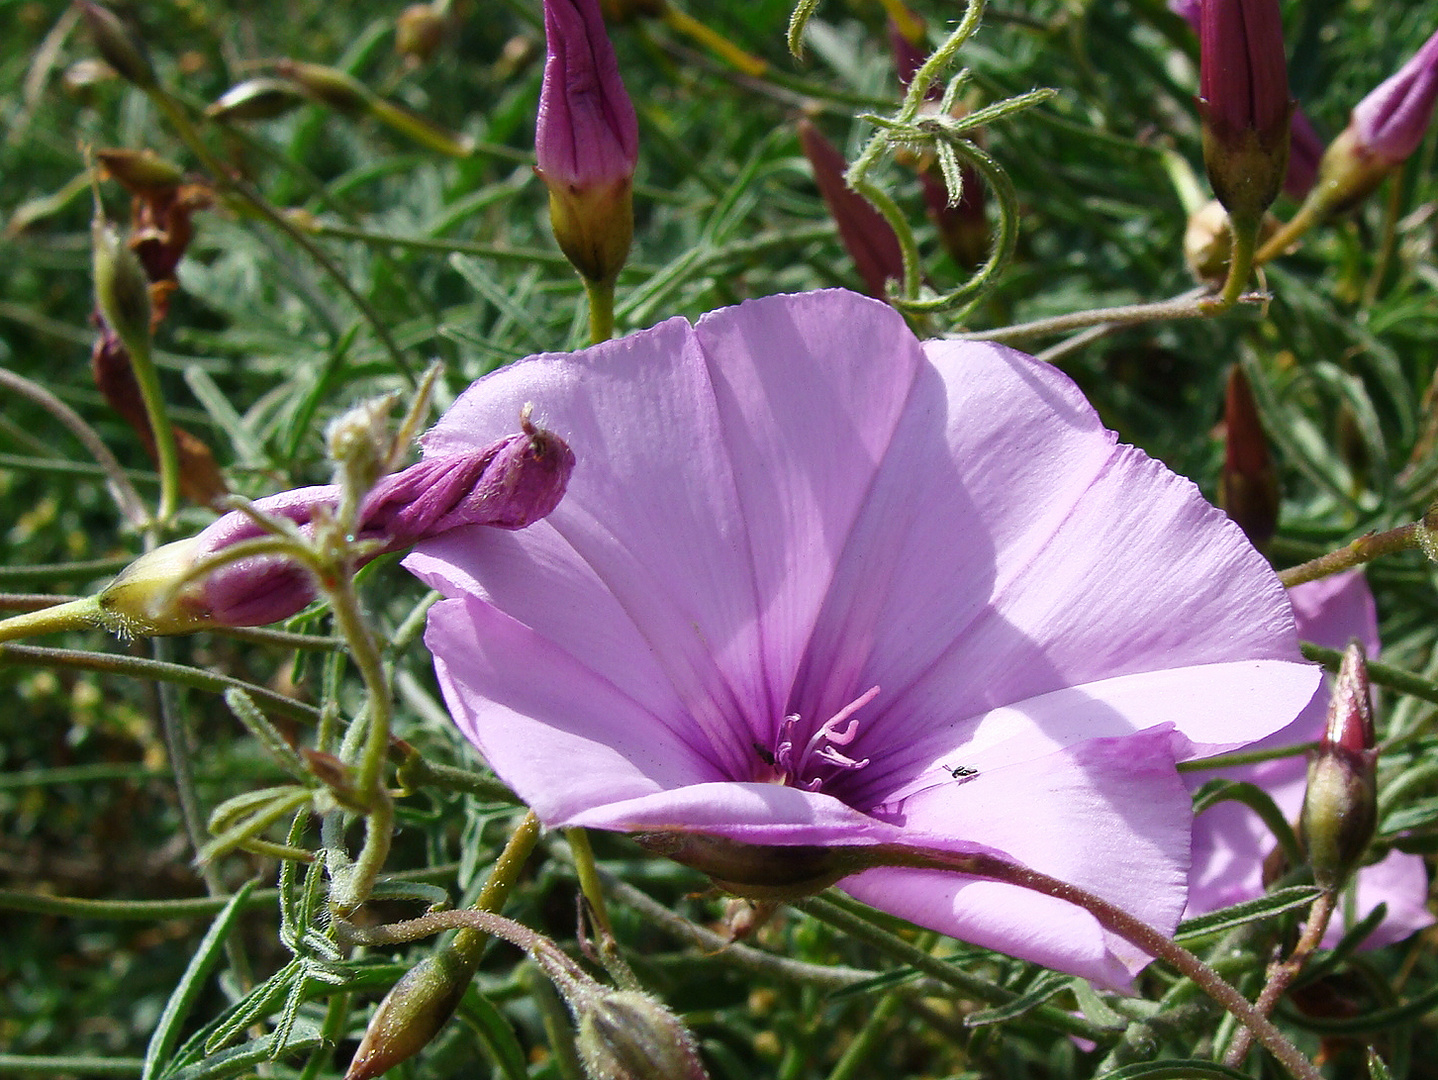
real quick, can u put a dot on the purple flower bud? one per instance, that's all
(587, 133)
(1340, 807)
(1305, 151)
(586, 140)
(865, 234)
(1243, 97)
(1391, 120)
(1248, 486)
(507, 485)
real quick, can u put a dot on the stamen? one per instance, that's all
(820, 751)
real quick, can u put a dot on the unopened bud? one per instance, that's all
(118, 44)
(1340, 807)
(627, 1035)
(418, 33)
(507, 485)
(411, 1014)
(141, 601)
(140, 172)
(122, 290)
(1244, 103)
(586, 141)
(1248, 486)
(338, 89)
(868, 238)
(262, 98)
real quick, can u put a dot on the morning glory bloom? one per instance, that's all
(816, 584)
(1231, 844)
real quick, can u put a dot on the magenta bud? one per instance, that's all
(1340, 806)
(1243, 99)
(1391, 120)
(1248, 485)
(1305, 151)
(868, 238)
(507, 485)
(586, 140)
(1385, 127)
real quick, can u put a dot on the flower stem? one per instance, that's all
(601, 309)
(167, 451)
(469, 943)
(226, 178)
(82, 614)
(1365, 549)
(1111, 918)
(1187, 306)
(1240, 265)
(1309, 215)
(369, 778)
(1280, 976)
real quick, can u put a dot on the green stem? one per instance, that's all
(75, 907)
(225, 178)
(588, 875)
(82, 614)
(73, 1065)
(469, 943)
(360, 877)
(1309, 215)
(167, 451)
(1240, 264)
(139, 667)
(1365, 549)
(601, 309)
(1187, 306)
(867, 1037)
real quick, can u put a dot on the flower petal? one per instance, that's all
(651, 516)
(560, 734)
(1108, 815)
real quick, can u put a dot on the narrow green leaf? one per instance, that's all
(239, 1059)
(1265, 907)
(1186, 1069)
(500, 1042)
(1045, 987)
(167, 1031)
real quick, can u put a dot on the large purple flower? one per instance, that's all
(815, 583)
(1231, 843)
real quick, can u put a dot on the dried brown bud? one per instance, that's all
(118, 44)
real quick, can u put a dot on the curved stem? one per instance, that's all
(1240, 264)
(167, 451)
(1187, 306)
(1281, 976)
(132, 507)
(601, 309)
(1112, 918)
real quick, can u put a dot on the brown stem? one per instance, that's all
(1112, 918)
(1281, 975)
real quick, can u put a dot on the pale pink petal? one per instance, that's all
(1230, 841)
(806, 437)
(563, 736)
(1108, 815)
(651, 509)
